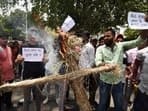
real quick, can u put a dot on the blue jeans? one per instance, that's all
(105, 92)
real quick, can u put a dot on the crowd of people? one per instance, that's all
(109, 49)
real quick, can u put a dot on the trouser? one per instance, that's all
(140, 101)
(1, 103)
(93, 85)
(62, 88)
(127, 93)
(105, 92)
(5, 99)
(37, 96)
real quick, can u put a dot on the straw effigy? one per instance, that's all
(72, 58)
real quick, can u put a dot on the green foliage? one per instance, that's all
(131, 34)
(14, 25)
(92, 15)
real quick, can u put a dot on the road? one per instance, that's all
(51, 105)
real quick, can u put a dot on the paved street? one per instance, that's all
(51, 105)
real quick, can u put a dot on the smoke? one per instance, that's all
(48, 41)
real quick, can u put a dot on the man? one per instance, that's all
(6, 73)
(86, 60)
(140, 66)
(33, 68)
(119, 38)
(87, 53)
(100, 41)
(110, 83)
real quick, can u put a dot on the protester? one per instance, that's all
(110, 83)
(140, 73)
(32, 69)
(127, 86)
(86, 60)
(6, 73)
(15, 46)
(93, 80)
(119, 38)
(100, 41)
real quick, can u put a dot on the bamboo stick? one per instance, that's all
(56, 77)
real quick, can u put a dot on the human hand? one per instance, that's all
(19, 59)
(45, 59)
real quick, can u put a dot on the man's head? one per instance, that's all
(109, 36)
(94, 41)
(119, 38)
(85, 36)
(101, 41)
(32, 40)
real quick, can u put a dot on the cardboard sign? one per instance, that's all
(68, 24)
(33, 54)
(136, 20)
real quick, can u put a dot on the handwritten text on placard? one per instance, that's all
(33, 54)
(136, 20)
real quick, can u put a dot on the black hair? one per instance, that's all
(86, 34)
(111, 30)
(101, 38)
(120, 36)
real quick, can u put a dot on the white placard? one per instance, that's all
(136, 21)
(33, 54)
(68, 24)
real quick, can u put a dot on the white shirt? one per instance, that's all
(87, 56)
(142, 55)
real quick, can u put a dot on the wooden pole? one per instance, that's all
(56, 77)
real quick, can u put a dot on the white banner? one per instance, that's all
(33, 54)
(136, 21)
(68, 24)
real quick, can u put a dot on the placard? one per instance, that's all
(136, 20)
(33, 54)
(68, 24)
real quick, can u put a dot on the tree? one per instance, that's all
(131, 34)
(14, 25)
(92, 15)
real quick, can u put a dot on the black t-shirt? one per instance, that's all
(33, 69)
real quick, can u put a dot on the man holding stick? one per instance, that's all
(110, 83)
